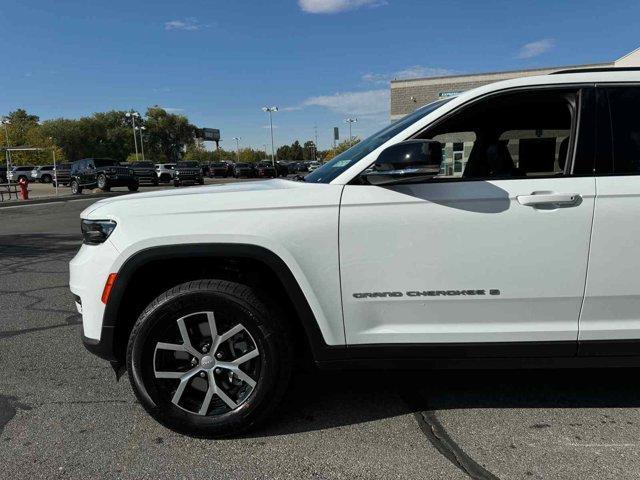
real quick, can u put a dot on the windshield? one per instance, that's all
(188, 164)
(219, 165)
(104, 162)
(346, 159)
(143, 165)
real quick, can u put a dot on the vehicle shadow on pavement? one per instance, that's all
(323, 400)
(37, 245)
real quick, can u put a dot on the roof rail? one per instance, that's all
(596, 69)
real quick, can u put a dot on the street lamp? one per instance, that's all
(133, 115)
(270, 110)
(264, 147)
(350, 121)
(5, 122)
(237, 139)
(140, 130)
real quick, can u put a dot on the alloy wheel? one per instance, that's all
(204, 371)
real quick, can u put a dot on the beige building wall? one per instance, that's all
(407, 95)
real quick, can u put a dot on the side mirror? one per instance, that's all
(406, 161)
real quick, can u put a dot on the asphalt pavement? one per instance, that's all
(64, 415)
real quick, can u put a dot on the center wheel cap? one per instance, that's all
(207, 361)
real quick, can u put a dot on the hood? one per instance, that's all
(275, 193)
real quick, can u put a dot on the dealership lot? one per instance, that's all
(62, 415)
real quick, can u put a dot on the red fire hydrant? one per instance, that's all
(24, 184)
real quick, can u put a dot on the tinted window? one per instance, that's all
(516, 135)
(188, 164)
(624, 105)
(144, 164)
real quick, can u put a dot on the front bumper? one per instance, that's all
(121, 180)
(88, 272)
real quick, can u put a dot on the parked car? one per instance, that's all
(491, 229)
(62, 174)
(282, 168)
(42, 174)
(243, 170)
(221, 169)
(188, 173)
(265, 170)
(298, 167)
(313, 165)
(17, 173)
(145, 172)
(165, 172)
(103, 173)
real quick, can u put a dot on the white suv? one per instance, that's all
(497, 228)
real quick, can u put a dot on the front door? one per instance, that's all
(492, 254)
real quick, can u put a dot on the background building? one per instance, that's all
(407, 95)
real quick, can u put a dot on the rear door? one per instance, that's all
(610, 320)
(491, 253)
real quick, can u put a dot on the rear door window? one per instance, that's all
(624, 114)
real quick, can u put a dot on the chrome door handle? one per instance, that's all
(560, 199)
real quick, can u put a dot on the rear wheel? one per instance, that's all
(46, 179)
(208, 358)
(176, 183)
(133, 187)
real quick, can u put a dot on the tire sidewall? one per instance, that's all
(161, 408)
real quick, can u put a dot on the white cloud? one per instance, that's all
(415, 71)
(335, 6)
(533, 49)
(365, 103)
(188, 24)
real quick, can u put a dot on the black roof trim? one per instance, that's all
(597, 69)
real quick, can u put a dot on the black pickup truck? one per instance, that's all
(103, 173)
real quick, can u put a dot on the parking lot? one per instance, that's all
(63, 415)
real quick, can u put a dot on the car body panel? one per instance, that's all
(248, 213)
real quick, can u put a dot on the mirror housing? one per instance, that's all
(411, 160)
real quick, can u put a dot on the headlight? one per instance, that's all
(95, 232)
(112, 170)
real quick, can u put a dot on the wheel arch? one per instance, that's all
(249, 264)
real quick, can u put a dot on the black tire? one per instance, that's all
(232, 304)
(201, 181)
(156, 182)
(133, 187)
(76, 189)
(102, 183)
(47, 179)
(176, 183)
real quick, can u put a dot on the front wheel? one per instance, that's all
(133, 187)
(176, 183)
(209, 359)
(102, 183)
(76, 189)
(201, 181)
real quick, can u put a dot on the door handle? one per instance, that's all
(559, 199)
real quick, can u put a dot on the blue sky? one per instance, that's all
(220, 61)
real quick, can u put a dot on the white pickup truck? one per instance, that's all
(497, 228)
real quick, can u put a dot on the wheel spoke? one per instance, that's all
(209, 395)
(171, 346)
(225, 398)
(245, 378)
(173, 375)
(185, 338)
(229, 333)
(212, 326)
(184, 380)
(246, 357)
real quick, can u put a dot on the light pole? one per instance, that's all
(140, 130)
(133, 115)
(264, 147)
(5, 122)
(350, 121)
(270, 110)
(237, 139)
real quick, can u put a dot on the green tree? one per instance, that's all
(167, 134)
(309, 149)
(296, 151)
(341, 147)
(284, 152)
